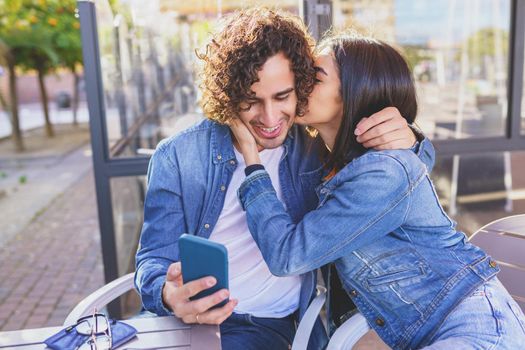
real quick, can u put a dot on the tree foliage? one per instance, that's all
(29, 30)
(483, 43)
(46, 29)
(42, 35)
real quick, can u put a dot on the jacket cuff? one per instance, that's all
(415, 147)
(160, 308)
(252, 168)
(417, 133)
(255, 185)
(426, 151)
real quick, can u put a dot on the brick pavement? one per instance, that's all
(48, 165)
(53, 263)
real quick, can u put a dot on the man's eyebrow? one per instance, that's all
(284, 92)
(320, 69)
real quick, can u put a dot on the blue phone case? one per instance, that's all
(200, 258)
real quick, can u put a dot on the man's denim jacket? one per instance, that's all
(187, 180)
(396, 251)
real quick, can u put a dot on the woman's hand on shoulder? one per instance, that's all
(386, 129)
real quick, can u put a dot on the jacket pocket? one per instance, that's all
(400, 274)
(308, 183)
(398, 268)
(399, 279)
(311, 179)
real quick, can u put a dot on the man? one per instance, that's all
(260, 69)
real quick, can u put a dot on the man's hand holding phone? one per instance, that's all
(176, 296)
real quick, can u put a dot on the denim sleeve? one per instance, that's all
(163, 225)
(424, 149)
(371, 202)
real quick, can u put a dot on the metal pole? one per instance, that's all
(99, 145)
(516, 70)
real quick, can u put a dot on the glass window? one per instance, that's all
(523, 103)
(480, 188)
(149, 66)
(458, 51)
(127, 199)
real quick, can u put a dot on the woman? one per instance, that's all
(418, 281)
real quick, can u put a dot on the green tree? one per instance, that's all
(414, 54)
(27, 29)
(67, 43)
(483, 43)
(7, 60)
(487, 51)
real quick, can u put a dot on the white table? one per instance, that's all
(153, 333)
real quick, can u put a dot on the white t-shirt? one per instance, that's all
(260, 293)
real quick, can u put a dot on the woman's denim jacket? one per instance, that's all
(397, 253)
(187, 180)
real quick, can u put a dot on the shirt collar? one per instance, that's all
(221, 144)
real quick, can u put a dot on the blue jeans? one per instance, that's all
(246, 332)
(488, 319)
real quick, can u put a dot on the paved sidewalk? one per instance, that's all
(32, 116)
(32, 179)
(53, 263)
(50, 253)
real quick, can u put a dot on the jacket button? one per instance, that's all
(223, 188)
(206, 226)
(219, 157)
(492, 263)
(380, 322)
(353, 293)
(232, 162)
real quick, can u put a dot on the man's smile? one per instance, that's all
(268, 132)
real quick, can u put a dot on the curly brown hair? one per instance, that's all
(235, 55)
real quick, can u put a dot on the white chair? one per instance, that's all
(504, 240)
(302, 336)
(100, 298)
(104, 295)
(349, 333)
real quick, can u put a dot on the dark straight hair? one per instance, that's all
(373, 76)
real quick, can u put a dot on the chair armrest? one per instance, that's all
(349, 333)
(302, 336)
(100, 298)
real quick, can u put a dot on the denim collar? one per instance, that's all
(221, 144)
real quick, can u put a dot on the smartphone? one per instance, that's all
(201, 257)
